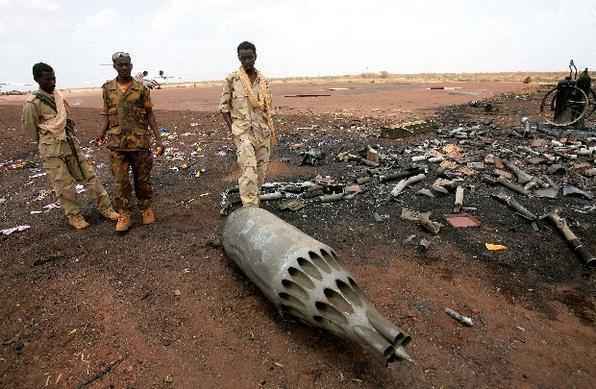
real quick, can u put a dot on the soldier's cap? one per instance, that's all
(119, 54)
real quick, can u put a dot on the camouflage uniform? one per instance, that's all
(129, 142)
(251, 134)
(584, 82)
(61, 156)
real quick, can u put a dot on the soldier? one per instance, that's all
(129, 115)
(246, 106)
(46, 114)
(584, 82)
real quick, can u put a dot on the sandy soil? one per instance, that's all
(388, 99)
(167, 309)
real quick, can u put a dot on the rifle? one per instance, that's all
(71, 139)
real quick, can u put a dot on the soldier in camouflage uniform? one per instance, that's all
(128, 118)
(246, 105)
(584, 82)
(46, 115)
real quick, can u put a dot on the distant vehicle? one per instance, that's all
(571, 101)
(148, 82)
(154, 82)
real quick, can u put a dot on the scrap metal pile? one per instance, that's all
(550, 169)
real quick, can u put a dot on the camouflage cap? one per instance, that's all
(119, 54)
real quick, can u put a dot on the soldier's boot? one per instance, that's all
(77, 221)
(109, 213)
(148, 216)
(104, 206)
(124, 222)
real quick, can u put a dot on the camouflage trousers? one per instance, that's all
(65, 171)
(253, 159)
(141, 163)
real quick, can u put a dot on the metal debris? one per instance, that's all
(380, 218)
(372, 155)
(422, 219)
(522, 176)
(271, 196)
(331, 197)
(515, 205)
(578, 247)
(409, 240)
(398, 175)
(10, 231)
(292, 205)
(556, 169)
(304, 279)
(552, 192)
(459, 199)
(465, 320)
(403, 184)
(570, 190)
(510, 185)
(424, 244)
(407, 129)
(426, 192)
(312, 157)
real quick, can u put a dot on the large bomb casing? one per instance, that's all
(303, 278)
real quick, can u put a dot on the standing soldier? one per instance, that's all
(246, 106)
(129, 115)
(46, 115)
(584, 82)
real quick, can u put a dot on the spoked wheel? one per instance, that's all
(578, 106)
(592, 104)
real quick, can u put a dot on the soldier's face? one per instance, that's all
(247, 58)
(123, 66)
(47, 82)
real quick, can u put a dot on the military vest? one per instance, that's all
(127, 116)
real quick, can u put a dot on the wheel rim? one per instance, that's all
(579, 107)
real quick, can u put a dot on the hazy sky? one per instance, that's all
(196, 40)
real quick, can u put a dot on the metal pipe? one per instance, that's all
(403, 184)
(303, 278)
(516, 206)
(510, 185)
(522, 176)
(576, 244)
(459, 199)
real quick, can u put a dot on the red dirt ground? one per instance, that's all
(167, 302)
(369, 99)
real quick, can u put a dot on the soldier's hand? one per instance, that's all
(159, 149)
(71, 124)
(101, 140)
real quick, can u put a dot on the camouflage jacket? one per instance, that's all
(584, 82)
(127, 116)
(235, 101)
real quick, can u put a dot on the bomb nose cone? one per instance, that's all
(401, 354)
